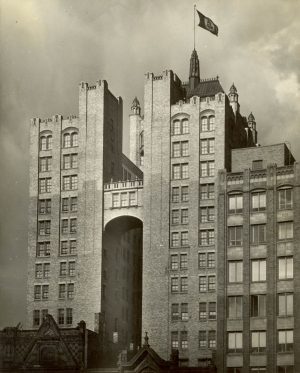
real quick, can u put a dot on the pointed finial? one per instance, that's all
(146, 340)
(251, 117)
(136, 107)
(233, 89)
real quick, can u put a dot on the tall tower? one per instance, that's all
(67, 172)
(234, 99)
(186, 131)
(136, 135)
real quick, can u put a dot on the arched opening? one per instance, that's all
(122, 285)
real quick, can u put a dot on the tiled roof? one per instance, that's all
(208, 87)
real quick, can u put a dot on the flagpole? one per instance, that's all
(194, 23)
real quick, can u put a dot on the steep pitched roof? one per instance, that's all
(206, 87)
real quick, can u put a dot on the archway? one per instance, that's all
(122, 284)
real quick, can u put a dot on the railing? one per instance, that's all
(128, 184)
(235, 179)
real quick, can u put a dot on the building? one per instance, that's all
(258, 288)
(136, 244)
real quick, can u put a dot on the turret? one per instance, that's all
(234, 99)
(135, 107)
(252, 126)
(135, 133)
(194, 75)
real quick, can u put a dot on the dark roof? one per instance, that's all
(206, 87)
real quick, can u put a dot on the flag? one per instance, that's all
(207, 24)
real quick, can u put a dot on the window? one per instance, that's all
(46, 270)
(184, 312)
(184, 239)
(258, 201)
(202, 311)
(184, 216)
(44, 227)
(70, 291)
(285, 268)
(124, 199)
(207, 168)
(74, 139)
(207, 146)
(115, 200)
(207, 191)
(257, 165)
(258, 341)
(174, 340)
(235, 307)
(235, 271)
(212, 310)
(174, 262)
(258, 234)
(45, 164)
(183, 261)
(176, 127)
(36, 317)
(285, 340)
(63, 268)
(234, 370)
(175, 194)
(285, 304)
(207, 237)
(64, 226)
(67, 140)
(174, 239)
(211, 283)
(208, 123)
(61, 316)
(285, 198)
(180, 127)
(211, 261)
(70, 182)
(69, 318)
(235, 203)
(73, 204)
(184, 339)
(45, 185)
(285, 369)
(180, 149)
(62, 291)
(258, 305)
(202, 339)
(38, 270)
(201, 260)
(43, 249)
(46, 142)
(174, 285)
(184, 194)
(64, 247)
(235, 341)
(212, 339)
(45, 206)
(235, 236)
(132, 198)
(73, 247)
(285, 230)
(258, 270)
(185, 126)
(175, 311)
(202, 284)
(175, 217)
(73, 225)
(183, 284)
(71, 268)
(207, 214)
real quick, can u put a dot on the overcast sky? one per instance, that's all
(49, 46)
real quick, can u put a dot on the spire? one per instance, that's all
(234, 99)
(194, 76)
(252, 126)
(135, 107)
(251, 118)
(146, 340)
(233, 89)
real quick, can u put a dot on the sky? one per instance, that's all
(49, 46)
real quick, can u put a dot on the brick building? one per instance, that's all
(136, 244)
